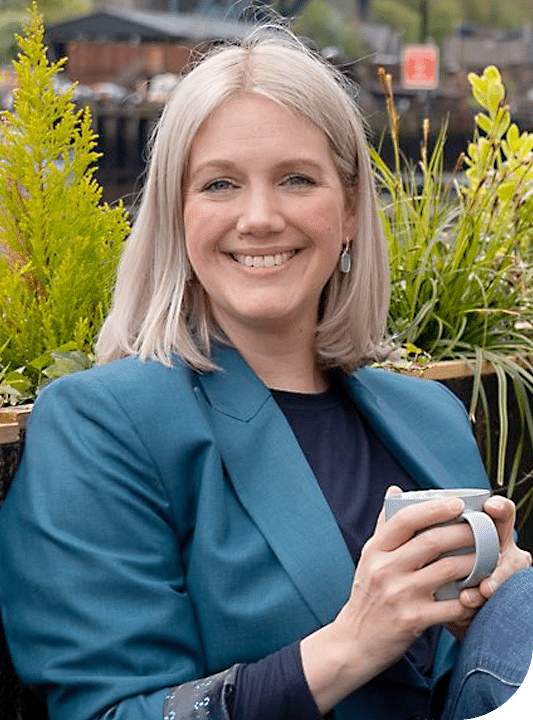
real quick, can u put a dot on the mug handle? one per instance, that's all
(486, 535)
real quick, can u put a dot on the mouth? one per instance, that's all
(264, 261)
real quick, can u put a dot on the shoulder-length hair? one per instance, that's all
(160, 309)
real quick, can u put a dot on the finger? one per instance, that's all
(500, 507)
(445, 570)
(391, 490)
(417, 517)
(503, 513)
(472, 598)
(449, 611)
(510, 562)
(432, 543)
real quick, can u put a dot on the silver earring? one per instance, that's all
(346, 260)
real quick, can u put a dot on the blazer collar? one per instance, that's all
(408, 446)
(274, 481)
(439, 454)
(236, 392)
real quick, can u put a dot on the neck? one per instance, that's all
(282, 362)
(286, 369)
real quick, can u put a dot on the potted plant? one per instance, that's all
(59, 244)
(460, 252)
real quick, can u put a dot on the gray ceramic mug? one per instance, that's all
(487, 544)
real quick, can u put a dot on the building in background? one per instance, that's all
(129, 47)
(166, 5)
(126, 63)
(217, 7)
(127, 56)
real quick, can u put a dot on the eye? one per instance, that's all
(297, 180)
(218, 185)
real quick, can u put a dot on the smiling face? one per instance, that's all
(265, 215)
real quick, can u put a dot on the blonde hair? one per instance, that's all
(160, 308)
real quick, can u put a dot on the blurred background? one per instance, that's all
(126, 55)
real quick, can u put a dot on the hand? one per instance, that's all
(392, 599)
(399, 572)
(512, 558)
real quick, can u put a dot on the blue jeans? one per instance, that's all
(496, 652)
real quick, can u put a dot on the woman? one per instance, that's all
(182, 536)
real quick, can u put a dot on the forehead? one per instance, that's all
(251, 122)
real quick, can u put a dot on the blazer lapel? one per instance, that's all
(425, 431)
(276, 485)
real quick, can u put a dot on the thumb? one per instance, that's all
(391, 490)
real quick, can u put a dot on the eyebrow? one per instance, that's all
(221, 165)
(210, 166)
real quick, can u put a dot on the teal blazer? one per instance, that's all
(165, 525)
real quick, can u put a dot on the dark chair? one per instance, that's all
(16, 702)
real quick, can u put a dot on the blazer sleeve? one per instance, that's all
(93, 596)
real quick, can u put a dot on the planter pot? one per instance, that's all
(12, 427)
(458, 377)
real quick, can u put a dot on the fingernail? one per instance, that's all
(471, 596)
(392, 490)
(496, 503)
(455, 505)
(492, 586)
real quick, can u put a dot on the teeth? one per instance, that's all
(264, 261)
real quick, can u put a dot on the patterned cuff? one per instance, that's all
(204, 699)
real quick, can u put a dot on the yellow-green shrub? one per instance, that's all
(59, 244)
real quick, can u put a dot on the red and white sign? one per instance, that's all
(420, 67)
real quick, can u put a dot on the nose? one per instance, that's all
(260, 214)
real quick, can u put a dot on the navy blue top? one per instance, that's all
(354, 469)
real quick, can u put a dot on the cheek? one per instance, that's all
(193, 250)
(329, 216)
(196, 232)
(204, 226)
(197, 259)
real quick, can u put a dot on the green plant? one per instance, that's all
(20, 386)
(461, 256)
(15, 386)
(59, 244)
